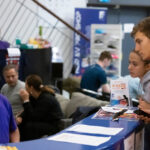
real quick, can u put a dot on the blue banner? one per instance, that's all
(84, 17)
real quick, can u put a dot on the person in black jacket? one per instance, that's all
(42, 112)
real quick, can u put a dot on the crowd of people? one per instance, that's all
(30, 109)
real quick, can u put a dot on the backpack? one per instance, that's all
(83, 112)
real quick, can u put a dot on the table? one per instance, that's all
(130, 130)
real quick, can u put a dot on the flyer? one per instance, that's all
(119, 92)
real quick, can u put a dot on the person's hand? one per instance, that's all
(144, 106)
(24, 95)
(144, 118)
(19, 120)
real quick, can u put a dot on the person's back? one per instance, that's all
(93, 78)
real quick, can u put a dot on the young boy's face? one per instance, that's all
(142, 45)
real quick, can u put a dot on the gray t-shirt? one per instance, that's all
(12, 93)
(145, 82)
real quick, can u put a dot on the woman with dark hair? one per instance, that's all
(42, 112)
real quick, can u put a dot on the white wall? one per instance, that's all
(22, 18)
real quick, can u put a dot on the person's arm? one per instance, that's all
(28, 110)
(18, 120)
(145, 107)
(15, 136)
(105, 88)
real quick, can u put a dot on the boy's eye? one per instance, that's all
(138, 41)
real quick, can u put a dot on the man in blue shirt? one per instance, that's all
(94, 76)
(8, 128)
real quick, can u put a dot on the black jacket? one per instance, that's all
(44, 109)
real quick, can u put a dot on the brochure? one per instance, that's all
(108, 112)
(119, 92)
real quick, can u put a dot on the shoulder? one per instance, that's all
(90, 69)
(5, 86)
(48, 99)
(146, 78)
(47, 96)
(100, 70)
(21, 83)
(99, 67)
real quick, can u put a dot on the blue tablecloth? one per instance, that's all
(116, 141)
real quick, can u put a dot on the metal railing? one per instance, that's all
(20, 18)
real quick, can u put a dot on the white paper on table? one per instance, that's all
(115, 109)
(112, 109)
(80, 139)
(13, 52)
(95, 129)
